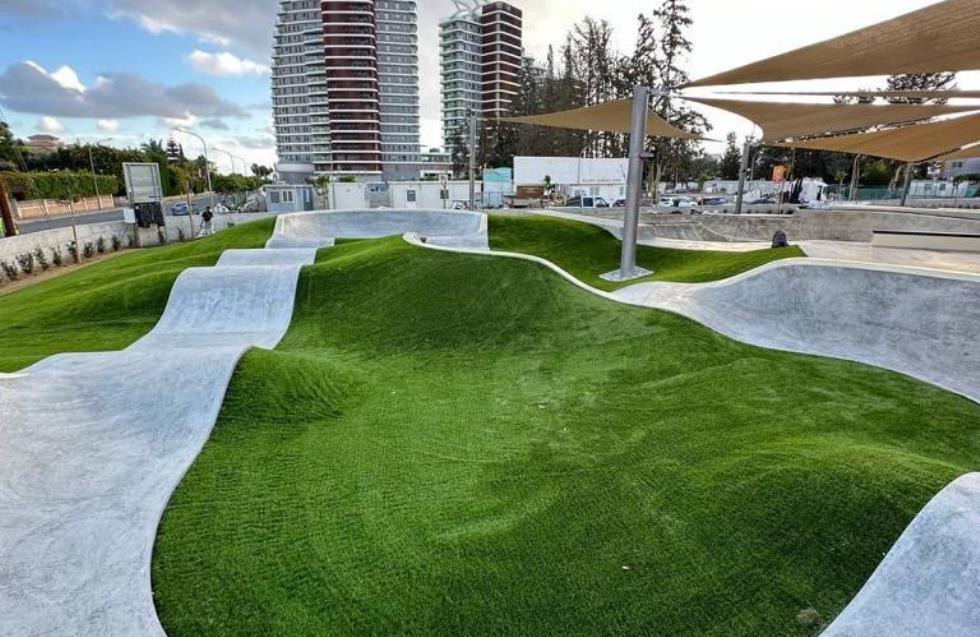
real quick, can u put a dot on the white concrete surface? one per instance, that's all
(93, 446)
(965, 262)
(929, 583)
(439, 227)
(925, 324)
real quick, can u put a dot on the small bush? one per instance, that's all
(9, 270)
(116, 243)
(231, 224)
(42, 259)
(26, 262)
(88, 250)
(57, 258)
(180, 235)
(100, 245)
(73, 250)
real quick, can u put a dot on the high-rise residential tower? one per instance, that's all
(481, 56)
(345, 89)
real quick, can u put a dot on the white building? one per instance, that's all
(345, 89)
(572, 176)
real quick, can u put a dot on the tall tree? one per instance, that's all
(731, 161)
(675, 156)
(460, 154)
(9, 152)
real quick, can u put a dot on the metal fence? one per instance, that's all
(926, 191)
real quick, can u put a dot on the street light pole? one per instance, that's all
(473, 126)
(95, 177)
(207, 160)
(742, 174)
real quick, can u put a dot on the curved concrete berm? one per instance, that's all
(439, 227)
(920, 323)
(93, 446)
(929, 583)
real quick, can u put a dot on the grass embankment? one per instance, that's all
(587, 251)
(108, 305)
(457, 445)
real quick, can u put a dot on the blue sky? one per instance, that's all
(94, 41)
(143, 66)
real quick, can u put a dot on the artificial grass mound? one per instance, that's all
(449, 444)
(588, 251)
(109, 305)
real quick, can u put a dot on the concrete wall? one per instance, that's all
(48, 240)
(838, 224)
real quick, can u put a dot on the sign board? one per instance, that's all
(779, 174)
(143, 183)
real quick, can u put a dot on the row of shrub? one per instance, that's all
(58, 186)
(42, 260)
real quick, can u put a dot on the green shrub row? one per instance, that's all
(60, 186)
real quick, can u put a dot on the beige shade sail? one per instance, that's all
(925, 95)
(782, 120)
(970, 152)
(940, 37)
(914, 143)
(613, 117)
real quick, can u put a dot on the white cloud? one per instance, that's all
(108, 125)
(65, 77)
(225, 63)
(188, 121)
(50, 125)
(29, 88)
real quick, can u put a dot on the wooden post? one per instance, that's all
(6, 215)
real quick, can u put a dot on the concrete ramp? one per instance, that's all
(929, 583)
(437, 227)
(93, 446)
(923, 324)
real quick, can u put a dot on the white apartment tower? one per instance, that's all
(481, 55)
(345, 89)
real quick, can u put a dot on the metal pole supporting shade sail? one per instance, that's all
(612, 117)
(915, 143)
(783, 120)
(940, 37)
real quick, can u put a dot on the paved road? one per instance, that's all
(106, 216)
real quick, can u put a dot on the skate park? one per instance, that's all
(462, 416)
(873, 314)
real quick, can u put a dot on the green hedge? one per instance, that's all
(60, 185)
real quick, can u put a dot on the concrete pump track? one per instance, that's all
(76, 535)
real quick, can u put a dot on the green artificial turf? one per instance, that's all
(455, 445)
(109, 305)
(587, 251)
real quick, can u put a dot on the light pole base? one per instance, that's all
(617, 276)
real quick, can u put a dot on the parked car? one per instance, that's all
(586, 202)
(679, 205)
(713, 201)
(181, 209)
(619, 203)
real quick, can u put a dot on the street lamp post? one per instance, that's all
(91, 161)
(207, 160)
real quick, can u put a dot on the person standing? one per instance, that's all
(207, 225)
